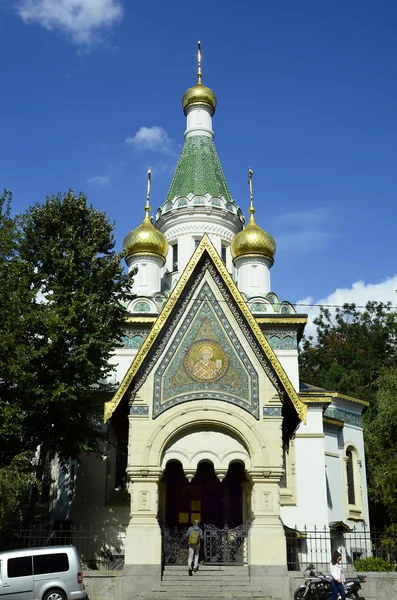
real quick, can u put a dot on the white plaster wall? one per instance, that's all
(253, 276)
(186, 243)
(289, 362)
(333, 449)
(199, 121)
(147, 280)
(91, 495)
(121, 359)
(311, 509)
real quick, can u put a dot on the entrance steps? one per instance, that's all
(210, 581)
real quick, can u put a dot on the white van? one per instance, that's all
(51, 573)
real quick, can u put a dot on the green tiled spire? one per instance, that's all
(199, 171)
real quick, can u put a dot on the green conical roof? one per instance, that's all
(199, 171)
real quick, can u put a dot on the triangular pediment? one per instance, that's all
(206, 308)
(205, 358)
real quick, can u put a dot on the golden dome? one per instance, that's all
(252, 240)
(146, 239)
(199, 94)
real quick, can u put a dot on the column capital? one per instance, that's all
(189, 474)
(265, 474)
(144, 474)
(221, 474)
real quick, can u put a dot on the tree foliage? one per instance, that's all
(16, 480)
(381, 446)
(355, 353)
(63, 291)
(17, 324)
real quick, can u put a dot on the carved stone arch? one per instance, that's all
(197, 418)
(142, 305)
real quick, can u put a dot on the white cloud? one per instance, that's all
(308, 229)
(359, 294)
(99, 180)
(153, 138)
(82, 20)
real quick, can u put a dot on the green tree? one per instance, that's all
(16, 480)
(381, 447)
(351, 348)
(355, 353)
(16, 325)
(69, 313)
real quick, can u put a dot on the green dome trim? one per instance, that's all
(199, 172)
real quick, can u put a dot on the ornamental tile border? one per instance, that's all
(344, 415)
(272, 411)
(142, 411)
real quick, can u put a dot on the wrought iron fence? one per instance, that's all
(100, 547)
(315, 546)
(220, 545)
(225, 546)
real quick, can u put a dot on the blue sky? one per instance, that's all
(307, 96)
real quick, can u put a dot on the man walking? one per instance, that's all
(194, 535)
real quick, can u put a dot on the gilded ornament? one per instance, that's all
(146, 239)
(252, 240)
(199, 93)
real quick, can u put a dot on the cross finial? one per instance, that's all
(199, 73)
(147, 207)
(250, 174)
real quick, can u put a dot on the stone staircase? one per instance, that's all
(229, 582)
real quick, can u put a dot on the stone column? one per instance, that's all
(142, 565)
(267, 554)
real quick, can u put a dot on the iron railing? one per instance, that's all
(315, 546)
(100, 547)
(222, 546)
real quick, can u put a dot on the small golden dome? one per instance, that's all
(199, 94)
(146, 239)
(253, 241)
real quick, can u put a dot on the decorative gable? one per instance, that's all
(206, 360)
(174, 350)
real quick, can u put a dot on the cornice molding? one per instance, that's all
(183, 229)
(285, 320)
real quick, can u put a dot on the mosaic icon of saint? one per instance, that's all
(206, 368)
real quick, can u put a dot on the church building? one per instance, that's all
(209, 419)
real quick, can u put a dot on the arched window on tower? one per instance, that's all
(350, 477)
(175, 256)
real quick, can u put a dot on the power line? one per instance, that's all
(391, 306)
(341, 305)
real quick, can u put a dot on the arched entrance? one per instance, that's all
(204, 478)
(205, 498)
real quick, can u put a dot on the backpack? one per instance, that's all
(194, 537)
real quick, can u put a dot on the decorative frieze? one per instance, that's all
(139, 411)
(351, 418)
(272, 411)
